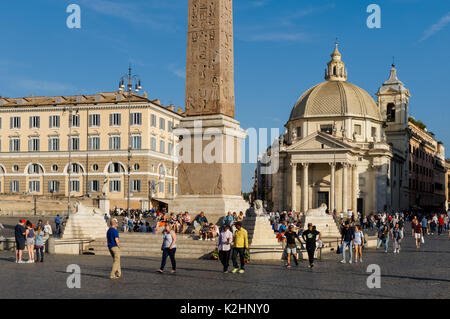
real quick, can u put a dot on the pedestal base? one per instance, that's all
(215, 207)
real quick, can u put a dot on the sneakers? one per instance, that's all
(350, 261)
(288, 266)
(356, 260)
(342, 261)
(360, 260)
(241, 271)
(235, 270)
(311, 266)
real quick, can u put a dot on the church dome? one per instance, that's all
(335, 97)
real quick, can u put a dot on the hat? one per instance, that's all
(22, 221)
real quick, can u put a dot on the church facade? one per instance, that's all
(343, 149)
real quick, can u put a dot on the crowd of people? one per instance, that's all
(33, 238)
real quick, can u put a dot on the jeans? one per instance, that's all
(311, 250)
(39, 253)
(169, 253)
(385, 242)
(224, 257)
(350, 248)
(239, 251)
(58, 230)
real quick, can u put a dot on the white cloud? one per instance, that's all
(435, 28)
(34, 85)
(179, 72)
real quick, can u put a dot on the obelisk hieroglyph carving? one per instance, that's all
(210, 66)
(210, 186)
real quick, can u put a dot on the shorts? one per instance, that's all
(418, 236)
(292, 251)
(30, 242)
(358, 243)
(20, 245)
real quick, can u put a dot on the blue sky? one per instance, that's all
(281, 49)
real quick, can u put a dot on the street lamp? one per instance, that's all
(69, 168)
(132, 80)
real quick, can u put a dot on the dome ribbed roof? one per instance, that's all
(335, 98)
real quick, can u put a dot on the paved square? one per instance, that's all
(422, 273)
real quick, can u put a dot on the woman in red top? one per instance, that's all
(417, 229)
(441, 224)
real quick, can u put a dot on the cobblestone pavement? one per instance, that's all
(415, 273)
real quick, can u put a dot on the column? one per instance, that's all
(344, 187)
(355, 190)
(294, 185)
(333, 187)
(305, 187)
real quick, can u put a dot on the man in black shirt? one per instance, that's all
(19, 232)
(290, 245)
(348, 238)
(310, 237)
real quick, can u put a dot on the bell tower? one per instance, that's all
(336, 70)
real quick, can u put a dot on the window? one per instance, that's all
(34, 169)
(162, 123)
(374, 133)
(299, 132)
(176, 188)
(34, 144)
(114, 168)
(55, 168)
(94, 120)
(53, 186)
(390, 112)
(114, 143)
(15, 168)
(74, 186)
(153, 186)
(35, 122)
(94, 186)
(170, 126)
(14, 144)
(54, 121)
(75, 143)
(358, 129)
(136, 118)
(74, 120)
(34, 186)
(170, 149)
(76, 168)
(114, 186)
(136, 142)
(169, 188)
(135, 186)
(162, 146)
(327, 129)
(15, 186)
(153, 120)
(136, 167)
(153, 144)
(95, 167)
(161, 187)
(162, 170)
(15, 122)
(115, 119)
(53, 144)
(94, 143)
(0, 122)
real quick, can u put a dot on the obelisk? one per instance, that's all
(210, 180)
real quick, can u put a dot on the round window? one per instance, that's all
(95, 167)
(136, 167)
(55, 168)
(15, 168)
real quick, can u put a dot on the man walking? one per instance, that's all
(112, 237)
(310, 237)
(224, 246)
(19, 232)
(290, 245)
(348, 237)
(240, 245)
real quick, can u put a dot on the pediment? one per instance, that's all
(319, 141)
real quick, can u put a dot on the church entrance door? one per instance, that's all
(323, 198)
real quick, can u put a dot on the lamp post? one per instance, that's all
(69, 168)
(132, 80)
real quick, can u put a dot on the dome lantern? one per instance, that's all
(336, 70)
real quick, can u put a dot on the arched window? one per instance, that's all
(115, 168)
(390, 112)
(162, 170)
(35, 169)
(334, 70)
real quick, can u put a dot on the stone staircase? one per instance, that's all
(149, 245)
(86, 223)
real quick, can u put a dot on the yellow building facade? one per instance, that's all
(36, 133)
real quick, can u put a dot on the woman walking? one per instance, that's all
(39, 244)
(359, 243)
(397, 236)
(29, 235)
(224, 246)
(169, 248)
